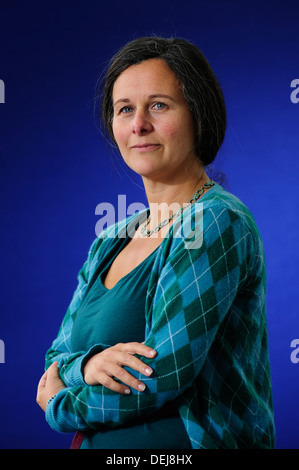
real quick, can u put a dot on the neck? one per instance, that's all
(165, 199)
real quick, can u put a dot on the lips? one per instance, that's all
(145, 147)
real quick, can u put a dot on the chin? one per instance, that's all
(144, 168)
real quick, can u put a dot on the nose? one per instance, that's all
(141, 124)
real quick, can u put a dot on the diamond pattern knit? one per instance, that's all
(205, 317)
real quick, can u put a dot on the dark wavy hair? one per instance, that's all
(198, 82)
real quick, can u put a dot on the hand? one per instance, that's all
(49, 385)
(103, 367)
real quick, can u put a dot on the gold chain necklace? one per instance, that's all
(194, 198)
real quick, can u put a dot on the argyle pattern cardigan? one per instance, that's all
(205, 317)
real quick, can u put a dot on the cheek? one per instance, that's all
(119, 134)
(170, 129)
(178, 127)
(181, 131)
(176, 134)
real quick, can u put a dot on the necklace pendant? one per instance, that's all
(194, 198)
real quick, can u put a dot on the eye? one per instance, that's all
(125, 110)
(159, 105)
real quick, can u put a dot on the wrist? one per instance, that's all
(51, 398)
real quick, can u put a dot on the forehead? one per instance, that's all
(151, 76)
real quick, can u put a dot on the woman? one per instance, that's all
(164, 344)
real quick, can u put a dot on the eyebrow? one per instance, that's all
(158, 95)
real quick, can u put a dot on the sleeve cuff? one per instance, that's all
(57, 419)
(74, 376)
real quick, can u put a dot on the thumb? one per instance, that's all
(43, 380)
(52, 371)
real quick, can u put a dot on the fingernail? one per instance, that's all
(141, 387)
(127, 391)
(148, 371)
(152, 352)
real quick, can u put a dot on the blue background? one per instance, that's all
(55, 169)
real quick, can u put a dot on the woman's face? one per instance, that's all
(152, 124)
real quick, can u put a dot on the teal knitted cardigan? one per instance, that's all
(205, 317)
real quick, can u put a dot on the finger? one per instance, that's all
(137, 348)
(41, 386)
(53, 367)
(125, 377)
(134, 363)
(42, 381)
(52, 371)
(110, 383)
(114, 356)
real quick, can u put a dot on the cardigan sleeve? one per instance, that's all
(70, 363)
(195, 290)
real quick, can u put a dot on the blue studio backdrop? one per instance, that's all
(55, 170)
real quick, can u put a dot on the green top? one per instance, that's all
(206, 318)
(117, 315)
